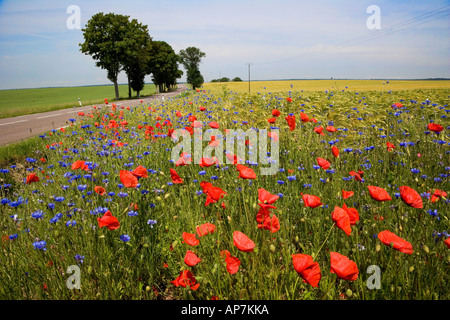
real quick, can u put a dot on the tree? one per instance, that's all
(191, 58)
(137, 55)
(194, 78)
(105, 39)
(163, 65)
(236, 79)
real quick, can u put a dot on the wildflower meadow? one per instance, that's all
(356, 209)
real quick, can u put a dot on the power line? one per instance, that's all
(415, 21)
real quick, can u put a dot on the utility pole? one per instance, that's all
(249, 64)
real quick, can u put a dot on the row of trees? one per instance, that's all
(225, 79)
(117, 44)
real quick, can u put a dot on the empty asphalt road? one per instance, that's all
(23, 127)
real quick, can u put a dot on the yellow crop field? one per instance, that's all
(321, 85)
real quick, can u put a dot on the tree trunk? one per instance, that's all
(116, 89)
(129, 88)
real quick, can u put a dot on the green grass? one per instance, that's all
(144, 267)
(28, 101)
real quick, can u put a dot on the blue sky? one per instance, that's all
(291, 39)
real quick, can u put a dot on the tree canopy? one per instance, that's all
(190, 58)
(117, 44)
(163, 65)
(105, 39)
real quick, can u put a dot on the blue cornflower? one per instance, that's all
(125, 238)
(151, 222)
(71, 223)
(79, 258)
(40, 245)
(132, 213)
(37, 214)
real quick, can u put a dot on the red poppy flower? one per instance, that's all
(32, 177)
(128, 179)
(342, 220)
(319, 130)
(201, 108)
(398, 243)
(437, 195)
(271, 120)
(307, 268)
(109, 221)
(190, 239)
(266, 197)
(390, 146)
(335, 151)
(192, 118)
(206, 162)
(191, 258)
(288, 99)
(100, 190)
(323, 163)
(245, 172)
(184, 160)
(311, 201)
(304, 117)
(213, 194)
(379, 194)
(197, 124)
(347, 194)
(242, 242)
(233, 263)
(79, 164)
(411, 197)
(264, 212)
(276, 113)
(140, 172)
(205, 229)
(447, 242)
(435, 127)
(178, 114)
(273, 135)
(331, 129)
(291, 122)
(175, 177)
(213, 125)
(186, 278)
(270, 223)
(190, 129)
(352, 214)
(343, 267)
(356, 175)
